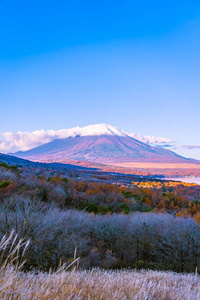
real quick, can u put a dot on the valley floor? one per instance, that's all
(146, 165)
(99, 284)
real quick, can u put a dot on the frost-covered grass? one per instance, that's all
(98, 284)
(86, 284)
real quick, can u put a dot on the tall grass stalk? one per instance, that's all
(12, 251)
(70, 283)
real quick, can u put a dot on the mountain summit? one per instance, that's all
(96, 129)
(100, 143)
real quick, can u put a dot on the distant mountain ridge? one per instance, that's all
(20, 162)
(101, 143)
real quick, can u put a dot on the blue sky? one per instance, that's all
(131, 64)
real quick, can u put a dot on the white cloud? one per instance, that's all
(152, 140)
(22, 141)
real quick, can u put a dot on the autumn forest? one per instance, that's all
(147, 223)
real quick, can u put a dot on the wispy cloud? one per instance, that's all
(190, 147)
(152, 140)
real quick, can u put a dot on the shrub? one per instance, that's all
(125, 208)
(4, 184)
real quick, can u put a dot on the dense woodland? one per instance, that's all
(147, 224)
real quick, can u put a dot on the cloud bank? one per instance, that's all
(151, 140)
(21, 141)
(190, 147)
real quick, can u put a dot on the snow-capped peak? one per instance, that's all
(96, 129)
(23, 141)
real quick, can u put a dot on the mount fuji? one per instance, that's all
(100, 143)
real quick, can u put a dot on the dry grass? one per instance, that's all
(98, 284)
(93, 284)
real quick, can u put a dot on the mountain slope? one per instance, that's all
(102, 144)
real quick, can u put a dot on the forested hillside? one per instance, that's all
(149, 224)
